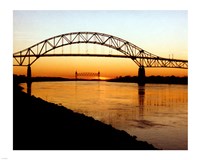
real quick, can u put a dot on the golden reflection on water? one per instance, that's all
(156, 113)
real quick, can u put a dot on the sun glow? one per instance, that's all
(104, 78)
(167, 28)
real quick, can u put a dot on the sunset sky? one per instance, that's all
(151, 25)
(163, 33)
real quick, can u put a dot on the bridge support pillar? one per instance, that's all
(29, 80)
(98, 75)
(76, 75)
(141, 75)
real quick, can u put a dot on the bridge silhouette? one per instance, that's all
(90, 74)
(141, 57)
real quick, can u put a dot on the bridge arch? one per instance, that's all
(129, 50)
(141, 57)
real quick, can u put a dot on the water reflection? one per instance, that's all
(141, 97)
(155, 113)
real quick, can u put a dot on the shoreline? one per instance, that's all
(125, 79)
(41, 125)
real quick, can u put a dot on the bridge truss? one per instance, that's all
(141, 57)
(88, 74)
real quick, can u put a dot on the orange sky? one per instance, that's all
(165, 35)
(109, 67)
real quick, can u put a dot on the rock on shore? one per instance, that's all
(40, 125)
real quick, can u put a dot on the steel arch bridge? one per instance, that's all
(129, 50)
(141, 57)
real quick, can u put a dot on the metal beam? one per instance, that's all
(128, 50)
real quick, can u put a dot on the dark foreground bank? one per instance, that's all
(40, 125)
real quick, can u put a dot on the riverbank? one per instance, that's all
(153, 79)
(126, 79)
(40, 125)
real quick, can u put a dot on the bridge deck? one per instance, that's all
(97, 55)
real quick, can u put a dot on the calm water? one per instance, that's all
(156, 113)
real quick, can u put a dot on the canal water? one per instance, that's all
(156, 113)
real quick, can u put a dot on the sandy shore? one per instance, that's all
(40, 125)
